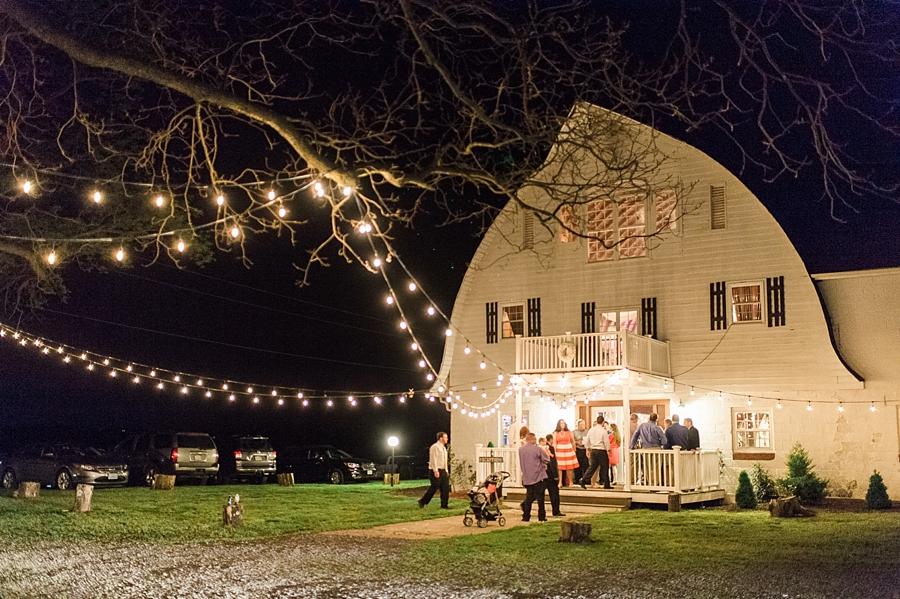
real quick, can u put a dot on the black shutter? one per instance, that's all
(775, 301)
(588, 318)
(534, 317)
(648, 317)
(491, 317)
(717, 315)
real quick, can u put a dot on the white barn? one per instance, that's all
(671, 289)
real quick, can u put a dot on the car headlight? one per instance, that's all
(351, 464)
(85, 467)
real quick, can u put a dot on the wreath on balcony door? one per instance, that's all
(566, 352)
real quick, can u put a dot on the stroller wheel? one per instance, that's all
(468, 520)
(501, 521)
(482, 522)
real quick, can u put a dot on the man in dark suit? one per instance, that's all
(693, 443)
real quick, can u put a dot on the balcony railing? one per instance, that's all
(674, 470)
(592, 351)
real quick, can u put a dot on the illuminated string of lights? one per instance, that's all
(186, 384)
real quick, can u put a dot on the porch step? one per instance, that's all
(581, 501)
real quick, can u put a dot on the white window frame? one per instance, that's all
(634, 246)
(618, 313)
(732, 305)
(761, 426)
(504, 320)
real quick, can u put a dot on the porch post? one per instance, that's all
(626, 436)
(515, 442)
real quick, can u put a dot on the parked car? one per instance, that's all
(324, 463)
(63, 466)
(192, 456)
(409, 467)
(243, 458)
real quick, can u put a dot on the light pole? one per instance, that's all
(393, 442)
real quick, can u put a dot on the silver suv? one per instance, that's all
(186, 455)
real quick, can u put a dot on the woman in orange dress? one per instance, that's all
(566, 460)
(615, 441)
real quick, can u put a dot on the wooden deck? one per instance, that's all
(618, 498)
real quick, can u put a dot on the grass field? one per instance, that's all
(193, 513)
(738, 553)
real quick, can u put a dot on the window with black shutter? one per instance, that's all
(588, 317)
(648, 316)
(534, 317)
(717, 314)
(775, 301)
(491, 321)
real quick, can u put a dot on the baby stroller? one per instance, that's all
(484, 501)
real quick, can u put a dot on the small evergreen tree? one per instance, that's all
(877, 495)
(763, 484)
(801, 480)
(745, 496)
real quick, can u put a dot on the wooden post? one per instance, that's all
(233, 515)
(676, 451)
(675, 502)
(286, 479)
(83, 495)
(574, 532)
(163, 482)
(28, 490)
(387, 479)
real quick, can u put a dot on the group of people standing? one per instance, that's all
(650, 435)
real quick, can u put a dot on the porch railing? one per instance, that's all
(592, 351)
(495, 459)
(674, 470)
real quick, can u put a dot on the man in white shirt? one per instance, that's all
(437, 472)
(596, 442)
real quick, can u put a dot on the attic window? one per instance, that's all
(717, 206)
(568, 223)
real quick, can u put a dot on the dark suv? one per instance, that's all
(245, 458)
(186, 455)
(324, 463)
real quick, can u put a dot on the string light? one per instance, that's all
(412, 286)
(873, 406)
(809, 406)
(271, 195)
(120, 255)
(235, 232)
(51, 258)
(841, 407)
(220, 200)
(26, 186)
(97, 197)
(389, 300)
(180, 246)
(160, 201)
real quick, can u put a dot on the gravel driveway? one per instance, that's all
(338, 566)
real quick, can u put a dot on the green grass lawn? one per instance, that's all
(194, 513)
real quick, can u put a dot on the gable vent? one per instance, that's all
(717, 206)
(528, 230)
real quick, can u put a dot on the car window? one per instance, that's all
(255, 444)
(314, 454)
(196, 441)
(338, 454)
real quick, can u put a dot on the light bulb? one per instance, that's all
(873, 406)
(209, 394)
(160, 386)
(329, 403)
(199, 382)
(97, 197)
(305, 402)
(231, 397)
(224, 386)
(51, 258)
(377, 399)
(120, 255)
(300, 395)
(220, 200)
(347, 190)
(483, 365)
(160, 201)
(389, 300)
(430, 310)
(841, 407)
(809, 406)
(429, 377)
(412, 286)
(414, 347)
(180, 246)
(255, 400)
(280, 402)
(467, 351)
(448, 332)
(282, 212)
(421, 363)
(249, 389)
(271, 195)
(779, 405)
(26, 186)
(403, 324)
(376, 262)
(184, 390)
(274, 392)
(136, 380)
(235, 232)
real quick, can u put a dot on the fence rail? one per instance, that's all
(592, 351)
(674, 470)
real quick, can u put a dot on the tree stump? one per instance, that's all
(574, 532)
(163, 482)
(233, 515)
(28, 490)
(789, 507)
(285, 479)
(388, 481)
(83, 495)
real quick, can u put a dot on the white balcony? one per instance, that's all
(592, 352)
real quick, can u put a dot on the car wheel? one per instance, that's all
(9, 479)
(149, 475)
(63, 480)
(468, 521)
(336, 477)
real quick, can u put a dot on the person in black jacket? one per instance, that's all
(553, 475)
(693, 443)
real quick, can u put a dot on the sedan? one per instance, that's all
(63, 467)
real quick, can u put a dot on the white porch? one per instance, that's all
(651, 476)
